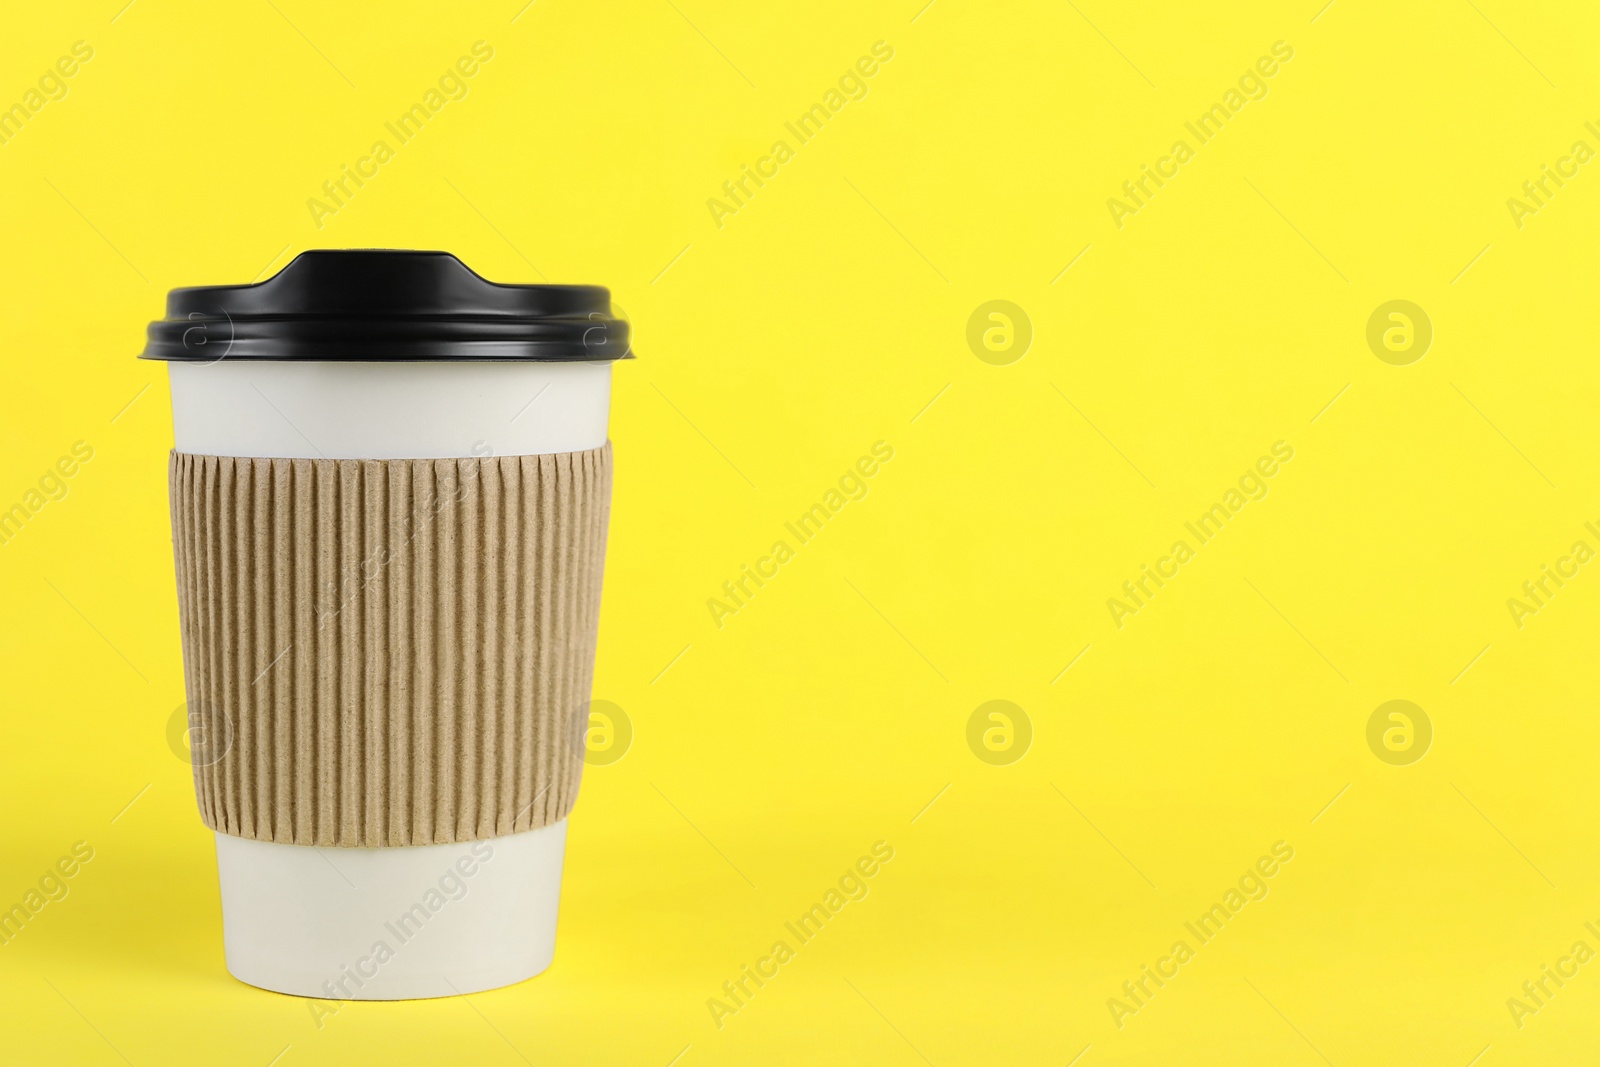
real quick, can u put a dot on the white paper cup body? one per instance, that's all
(304, 410)
(403, 922)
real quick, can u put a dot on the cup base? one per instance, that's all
(391, 923)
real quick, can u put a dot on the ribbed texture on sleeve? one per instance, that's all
(391, 652)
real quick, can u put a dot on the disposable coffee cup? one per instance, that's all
(390, 491)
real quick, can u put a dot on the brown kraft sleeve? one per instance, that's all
(388, 652)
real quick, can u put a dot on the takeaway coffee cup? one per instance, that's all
(390, 488)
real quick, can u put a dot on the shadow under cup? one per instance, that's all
(390, 495)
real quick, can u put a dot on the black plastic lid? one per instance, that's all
(387, 306)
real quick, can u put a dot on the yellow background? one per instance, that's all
(775, 350)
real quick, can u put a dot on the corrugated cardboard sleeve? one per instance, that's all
(388, 652)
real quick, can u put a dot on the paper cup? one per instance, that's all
(385, 357)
